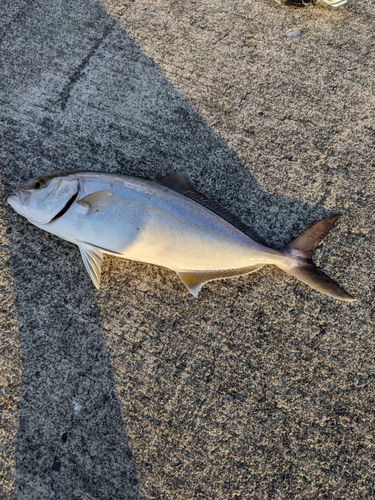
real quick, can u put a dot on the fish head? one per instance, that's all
(42, 198)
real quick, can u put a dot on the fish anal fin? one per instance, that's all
(92, 259)
(181, 183)
(95, 201)
(194, 280)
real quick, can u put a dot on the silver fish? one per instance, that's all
(164, 222)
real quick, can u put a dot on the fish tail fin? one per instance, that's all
(303, 268)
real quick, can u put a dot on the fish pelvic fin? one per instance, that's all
(92, 258)
(303, 268)
(194, 280)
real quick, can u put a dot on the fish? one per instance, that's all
(164, 222)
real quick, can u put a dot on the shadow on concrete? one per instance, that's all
(72, 442)
(79, 94)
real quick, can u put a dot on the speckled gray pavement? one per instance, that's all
(260, 389)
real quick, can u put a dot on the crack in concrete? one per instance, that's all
(78, 72)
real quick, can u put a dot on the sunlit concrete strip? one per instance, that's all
(10, 366)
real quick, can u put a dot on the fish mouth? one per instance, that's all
(65, 208)
(12, 199)
(19, 196)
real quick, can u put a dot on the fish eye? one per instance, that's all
(38, 183)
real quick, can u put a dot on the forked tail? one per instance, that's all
(301, 250)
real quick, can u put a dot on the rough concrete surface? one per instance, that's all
(261, 388)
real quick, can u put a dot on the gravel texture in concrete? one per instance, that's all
(262, 387)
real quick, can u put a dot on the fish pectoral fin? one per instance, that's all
(95, 201)
(194, 280)
(92, 258)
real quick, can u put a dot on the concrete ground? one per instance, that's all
(262, 388)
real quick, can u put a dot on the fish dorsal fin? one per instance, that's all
(180, 182)
(92, 258)
(95, 201)
(194, 280)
